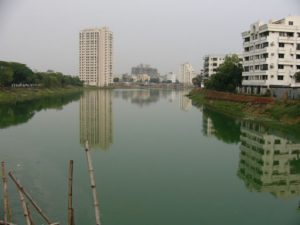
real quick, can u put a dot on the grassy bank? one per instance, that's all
(249, 107)
(13, 95)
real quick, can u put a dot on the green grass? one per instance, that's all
(13, 95)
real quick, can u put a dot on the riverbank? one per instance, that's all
(265, 109)
(14, 95)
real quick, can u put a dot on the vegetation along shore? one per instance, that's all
(265, 109)
(19, 83)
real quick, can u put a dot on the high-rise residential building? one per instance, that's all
(271, 55)
(187, 73)
(96, 56)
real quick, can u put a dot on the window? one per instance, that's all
(298, 46)
(264, 67)
(290, 34)
(247, 39)
(281, 45)
(291, 23)
(298, 67)
(281, 67)
(280, 77)
(246, 68)
(264, 45)
(281, 56)
(297, 56)
(247, 58)
(277, 141)
(256, 67)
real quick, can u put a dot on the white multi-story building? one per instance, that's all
(271, 55)
(187, 74)
(96, 57)
(211, 64)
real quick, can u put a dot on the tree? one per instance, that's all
(6, 75)
(297, 77)
(154, 80)
(197, 81)
(22, 74)
(228, 75)
(116, 79)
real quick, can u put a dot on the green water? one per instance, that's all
(158, 160)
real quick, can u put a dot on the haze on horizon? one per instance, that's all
(163, 33)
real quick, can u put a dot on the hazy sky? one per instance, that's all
(163, 33)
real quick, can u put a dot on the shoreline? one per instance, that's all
(16, 95)
(262, 109)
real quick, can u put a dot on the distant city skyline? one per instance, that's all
(164, 34)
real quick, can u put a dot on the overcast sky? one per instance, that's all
(44, 34)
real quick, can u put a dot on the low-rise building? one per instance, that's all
(271, 55)
(212, 63)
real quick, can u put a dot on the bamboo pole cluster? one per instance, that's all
(26, 198)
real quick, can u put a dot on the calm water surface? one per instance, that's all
(158, 160)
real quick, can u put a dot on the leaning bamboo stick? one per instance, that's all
(70, 194)
(5, 193)
(24, 207)
(26, 194)
(93, 183)
(29, 214)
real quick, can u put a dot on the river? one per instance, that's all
(158, 160)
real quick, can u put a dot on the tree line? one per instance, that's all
(18, 74)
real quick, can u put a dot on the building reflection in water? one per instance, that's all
(185, 102)
(145, 97)
(96, 119)
(269, 162)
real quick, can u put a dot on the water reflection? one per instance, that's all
(145, 97)
(96, 122)
(22, 112)
(269, 159)
(269, 162)
(216, 124)
(185, 102)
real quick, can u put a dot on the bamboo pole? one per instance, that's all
(24, 207)
(29, 214)
(26, 194)
(5, 193)
(93, 183)
(70, 194)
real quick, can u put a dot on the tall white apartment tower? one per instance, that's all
(187, 73)
(95, 56)
(271, 55)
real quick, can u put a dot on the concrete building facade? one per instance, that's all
(271, 55)
(96, 57)
(211, 64)
(187, 73)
